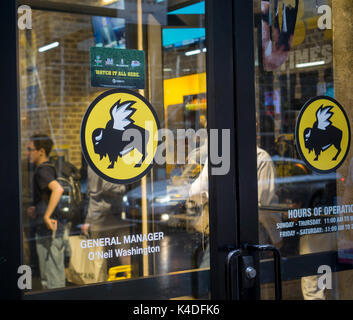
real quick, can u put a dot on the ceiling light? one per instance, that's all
(192, 52)
(310, 64)
(48, 47)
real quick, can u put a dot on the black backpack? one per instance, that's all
(68, 176)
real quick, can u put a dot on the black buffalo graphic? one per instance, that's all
(323, 134)
(109, 141)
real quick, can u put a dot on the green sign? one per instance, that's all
(117, 68)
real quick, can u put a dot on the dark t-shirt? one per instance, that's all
(43, 176)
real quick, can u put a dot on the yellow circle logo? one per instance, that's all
(119, 136)
(323, 134)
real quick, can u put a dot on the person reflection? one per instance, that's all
(277, 43)
(348, 188)
(103, 218)
(345, 240)
(267, 197)
(47, 192)
(195, 159)
(308, 244)
(198, 192)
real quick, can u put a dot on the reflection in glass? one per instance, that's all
(116, 232)
(294, 63)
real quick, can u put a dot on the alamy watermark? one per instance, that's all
(325, 280)
(181, 146)
(325, 20)
(24, 281)
(24, 17)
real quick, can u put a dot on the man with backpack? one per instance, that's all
(47, 192)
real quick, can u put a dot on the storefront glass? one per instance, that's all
(303, 52)
(114, 232)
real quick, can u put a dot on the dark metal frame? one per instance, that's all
(303, 266)
(231, 104)
(10, 192)
(149, 288)
(244, 72)
(159, 287)
(233, 197)
(246, 168)
(180, 20)
(220, 102)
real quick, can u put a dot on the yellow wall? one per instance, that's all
(175, 89)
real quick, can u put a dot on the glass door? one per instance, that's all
(303, 84)
(141, 240)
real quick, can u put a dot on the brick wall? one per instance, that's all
(59, 79)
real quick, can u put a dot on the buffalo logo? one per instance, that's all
(109, 141)
(323, 127)
(323, 134)
(119, 136)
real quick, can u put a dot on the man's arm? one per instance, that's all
(266, 182)
(274, 53)
(56, 192)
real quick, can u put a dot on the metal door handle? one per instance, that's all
(229, 279)
(236, 253)
(277, 265)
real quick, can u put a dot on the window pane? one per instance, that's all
(299, 57)
(105, 231)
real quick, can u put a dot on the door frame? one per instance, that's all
(233, 197)
(10, 169)
(230, 86)
(10, 191)
(247, 219)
